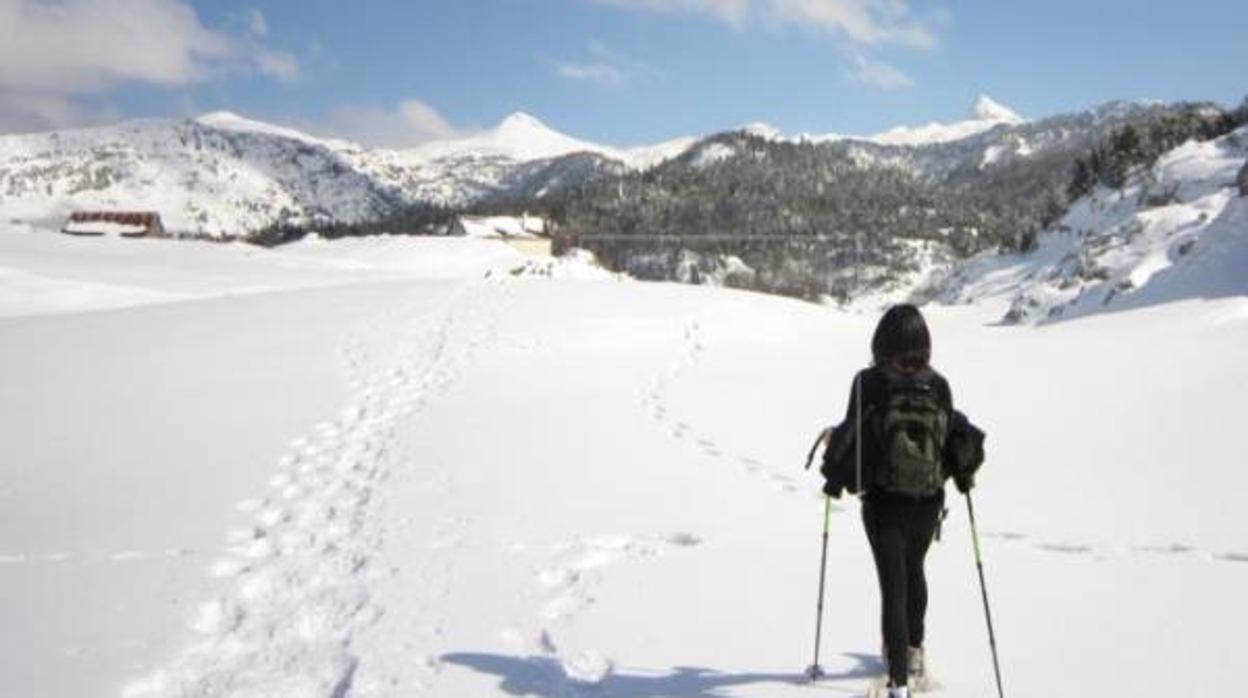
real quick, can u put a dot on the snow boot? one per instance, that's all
(898, 692)
(918, 666)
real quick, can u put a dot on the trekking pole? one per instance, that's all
(983, 588)
(814, 671)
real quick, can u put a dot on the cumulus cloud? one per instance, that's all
(409, 123)
(875, 73)
(54, 52)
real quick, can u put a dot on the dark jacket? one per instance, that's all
(840, 466)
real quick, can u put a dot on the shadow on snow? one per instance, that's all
(545, 677)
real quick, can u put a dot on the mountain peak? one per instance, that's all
(522, 119)
(988, 109)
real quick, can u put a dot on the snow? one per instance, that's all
(524, 137)
(400, 466)
(43, 272)
(201, 179)
(1178, 230)
(712, 154)
(230, 121)
(646, 157)
(986, 114)
(103, 228)
(763, 130)
(988, 109)
(520, 136)
(502, 226)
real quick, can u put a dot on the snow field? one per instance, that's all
(566, 486)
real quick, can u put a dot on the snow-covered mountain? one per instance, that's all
(986, 114)
(1177, 230)
(225, 175)
(212, 178)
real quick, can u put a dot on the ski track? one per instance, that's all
(301, 572)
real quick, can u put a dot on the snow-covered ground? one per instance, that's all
(396, 466)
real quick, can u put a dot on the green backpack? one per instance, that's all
(912, 426)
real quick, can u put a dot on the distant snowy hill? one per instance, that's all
(986, 114)
(225, 175)
(1177, 230)
(211, 178)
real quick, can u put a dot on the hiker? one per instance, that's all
(904, 417)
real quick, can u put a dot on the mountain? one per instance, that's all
(519, 137)
(1175, 230)
(225, 175)
(985, 115)
(213, 178)
(850, 218)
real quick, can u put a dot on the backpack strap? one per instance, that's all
(858, 436)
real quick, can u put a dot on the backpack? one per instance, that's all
(911, 426)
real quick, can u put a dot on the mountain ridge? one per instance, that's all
(223, 174)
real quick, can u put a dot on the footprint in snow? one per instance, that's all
(1067, 548)
(1171, 549)
(1006, 535)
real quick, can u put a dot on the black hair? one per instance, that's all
(902, 332)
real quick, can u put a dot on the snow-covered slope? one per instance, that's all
(483, 484)
(226, 175)
(202, 178)
(1177, 230)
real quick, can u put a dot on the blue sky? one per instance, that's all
(621, 72)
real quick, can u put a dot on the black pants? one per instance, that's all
(900, 531)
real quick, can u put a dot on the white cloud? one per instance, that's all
(875, 73)
(865, 22)
(857, 25)
(600, 73)
(602, 66)
(733, 12)
(57, 51)
(861, 22)
(409, 123)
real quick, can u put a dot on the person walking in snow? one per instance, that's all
(889, 449)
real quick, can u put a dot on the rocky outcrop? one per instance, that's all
(1243, 179)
